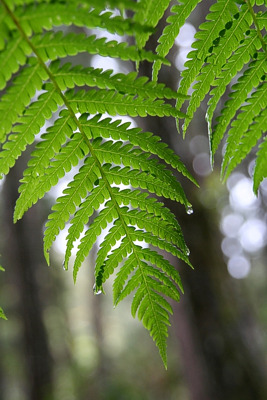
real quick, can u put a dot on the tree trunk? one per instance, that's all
(24, 258)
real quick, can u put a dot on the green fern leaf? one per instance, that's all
(110, 154)
(14, 55)
(19, 95)
(29, 125)
(65, 160)
(100, 222)
(237, 61)
(220, 14)
(4, 30)
(68, 77)
(46, 15)
(251, 78)
(103, 101)
(250, 139)
(233, 156)
(145, 140)
(86, 209)
(66, 205)
(52, 45)
(222, 50)
(174, 23)
(262, 20)
(150, 12)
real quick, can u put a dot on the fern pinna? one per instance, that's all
(120, 176)
(231, 43)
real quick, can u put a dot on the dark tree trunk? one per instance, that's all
(24, 259)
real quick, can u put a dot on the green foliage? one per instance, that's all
(230, 44)
(121, 174)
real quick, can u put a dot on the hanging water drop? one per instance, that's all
(64, 266)
(187, 252)
(96, 291)
(189, 210)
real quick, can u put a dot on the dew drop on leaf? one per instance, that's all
(96, 292)
(189, 210)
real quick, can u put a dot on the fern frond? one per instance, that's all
(4, 31)
(29, 126)
(262, 20)
(240, 91)
(86, 209)
(220, 14)
(256, 129)
(37, 170)
(147, 279)
(82, 183)
(52, 45)
(239, 58)
(175, 21)
(109, 153)
(105, 216)
(222, 49)
(150, 284)
(113, 103)
(233, 154)
(150, 12)
(145, 140)
(69, 77)
(19, 95)
(12, 57)
(38, 17)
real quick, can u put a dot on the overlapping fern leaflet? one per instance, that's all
(120, 175)
(175, 21)
(230, 42)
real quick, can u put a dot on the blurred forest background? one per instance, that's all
(61, 342)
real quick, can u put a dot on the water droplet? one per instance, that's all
(96, 292)
(189, 210)
(64, 266)
(187, 252)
